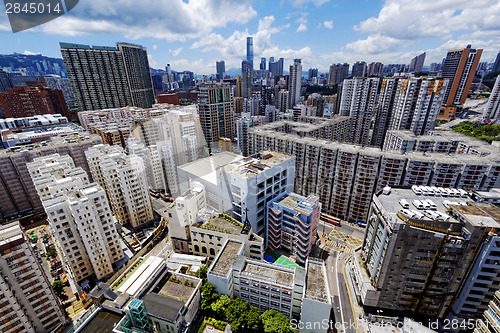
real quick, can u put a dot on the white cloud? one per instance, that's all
(173, 20)
(375, 44)
(328, 24)
(155, 47)
(29, 53)
(153, 63)
(301, 3)
(176, 52)
(302, 27)
(197, 66)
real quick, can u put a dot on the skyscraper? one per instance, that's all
(375, 68)
(250, 52)
(135, 59)
(358, 101)
(105, 77)
(295, 81)
(28, 303)
(242, 127)
(262, 64)
(221, 69)
(459, 67)
(215, 104)
(359, 69)
(417, 63)
(338, 73)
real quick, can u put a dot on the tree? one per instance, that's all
(275, 322)
(58, 287)
(219, 307)
(253, 320)
(202, 273)
(51, 252)
(209, 296)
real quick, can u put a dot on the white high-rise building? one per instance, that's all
(28, 303)
(493, 106)
(242, 126)
(359, 96)
(295, 81)
(152, 162)
(124, 179)
(79, 215)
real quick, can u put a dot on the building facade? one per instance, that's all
(27, 302)
(79, 216)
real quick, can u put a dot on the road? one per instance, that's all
(339, 243)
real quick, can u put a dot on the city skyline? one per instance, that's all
(194, 35)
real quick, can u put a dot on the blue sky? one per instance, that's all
(193, 34)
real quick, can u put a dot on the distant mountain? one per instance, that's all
(33, 64)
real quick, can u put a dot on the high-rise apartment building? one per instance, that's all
(493, 106)
(250, 52)
(27, 301)
(220, 67)
(124, 180)
(152, 162)
(375, 68)
(247, 84)
(496, 65)
(408, 104)
(359, 69)
(108, 77)
(417, 259)
(27, 101)
(276, 67)
(215, 103)
(292, 222)
(358, 102)
(140, 84)
(313, 72)
(17, 193)
(338, 73)
(345, 176)
(459, 68)
(295, 81)
(61, 83)
(79, 215)
(417, 63)
(491, 318)
(242, 130)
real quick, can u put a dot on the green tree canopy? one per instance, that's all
(219, 307)
(58, 287)
(275, 322)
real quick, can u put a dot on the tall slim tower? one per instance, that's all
(136, 64)
(250, 52)
(493, 106)
(459, 67)
(295, 81)
(215, 104)
(262, 64)
(221, 69)
(105, 77)
(358, 101)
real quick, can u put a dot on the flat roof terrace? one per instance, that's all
(316, 283)
(224, 262)
(177, 287)
(269, 273)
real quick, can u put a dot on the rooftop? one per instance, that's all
(251, 166)
(316, 284)
(291, 200)
(268, 272)
(162, 307)
(220, 224)
(206, 168)
(9, 233)
(480, 214)
(176, 286)
(224, 262)
(141, 276)
(391, 204)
